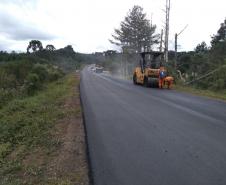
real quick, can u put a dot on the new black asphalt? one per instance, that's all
(145, 136)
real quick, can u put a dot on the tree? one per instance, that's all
(201, 48)
(34, 45)
(110, 53)
(218, 49)
(69, 48)
(50, 47)
(220, 36)
(136, 33)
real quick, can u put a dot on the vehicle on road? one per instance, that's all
(151, 72)
(99, 69)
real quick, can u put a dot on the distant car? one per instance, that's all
(92, 68)
(99, 69)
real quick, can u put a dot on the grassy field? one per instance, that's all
(221, 95)
(34, 135)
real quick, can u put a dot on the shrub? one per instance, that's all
(218, 85)
(54, 73)
(32, 83)
(41, 71)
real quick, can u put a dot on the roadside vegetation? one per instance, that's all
(41, 131)
(221, 95)
(204, 69)
(24, 77)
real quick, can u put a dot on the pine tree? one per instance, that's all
(221, 34)
(201, 48)
(136, 34)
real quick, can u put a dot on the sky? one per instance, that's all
(87, 25)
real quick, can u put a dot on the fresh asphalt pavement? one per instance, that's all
(145, 136)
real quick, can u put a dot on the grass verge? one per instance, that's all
(220, 95)
(35, 132)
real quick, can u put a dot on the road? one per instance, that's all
(144, 136)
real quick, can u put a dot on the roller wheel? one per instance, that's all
(146, 82)
(135, 79)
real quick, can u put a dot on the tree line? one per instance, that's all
(24, 74)
(205, 67)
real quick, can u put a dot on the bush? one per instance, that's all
(32, 83)
(41, 71)
(218, 85)
(54, 73)
(202, 84)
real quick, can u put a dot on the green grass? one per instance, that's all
(221, 95)
(25, 127)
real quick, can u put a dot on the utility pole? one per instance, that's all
(176, 38)
(167, 30)
(151, 19)
(161, 40)
(175, 64)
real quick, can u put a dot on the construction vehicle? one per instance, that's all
(151, 72)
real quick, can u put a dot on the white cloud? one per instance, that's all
(88, 24)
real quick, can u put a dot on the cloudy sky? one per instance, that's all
(88, 24)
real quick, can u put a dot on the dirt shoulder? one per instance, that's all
(69, 164)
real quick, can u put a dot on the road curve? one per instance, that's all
(144, 136)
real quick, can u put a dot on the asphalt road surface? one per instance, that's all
(144, 136)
